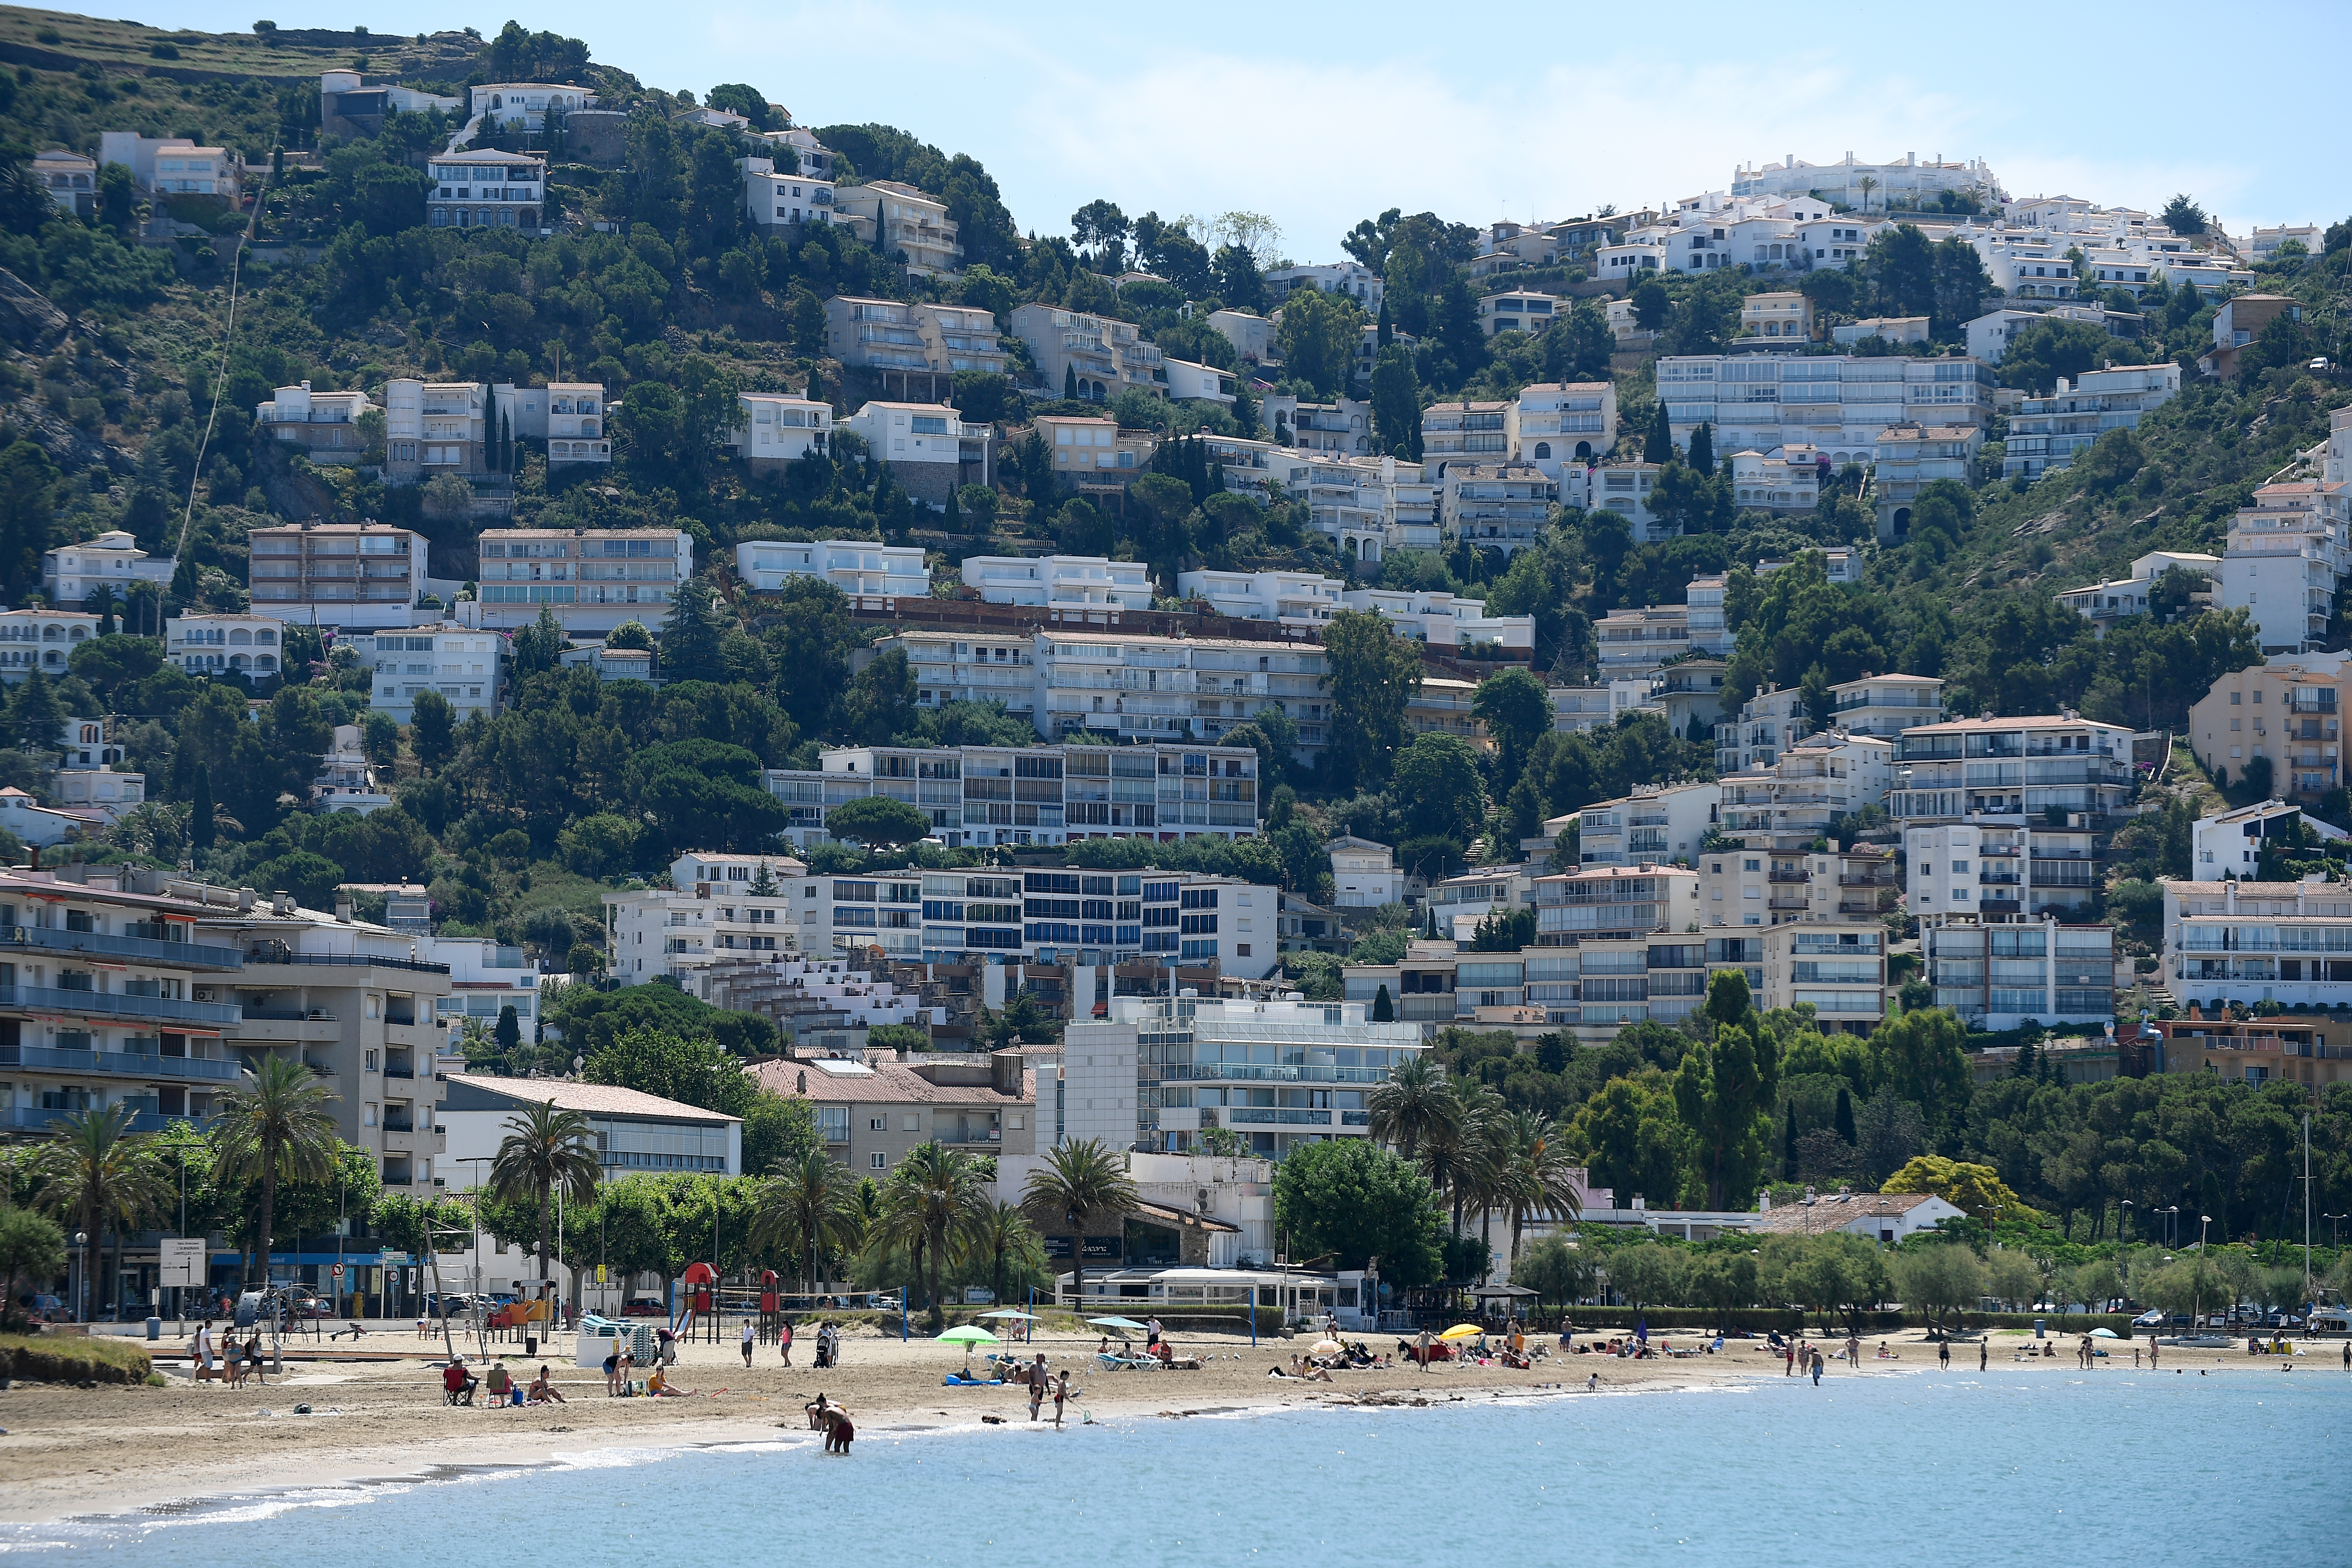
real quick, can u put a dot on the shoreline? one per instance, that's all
(101, 1456)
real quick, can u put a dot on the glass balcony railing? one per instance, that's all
(171, 954)
(125, 1064)
(119, 1005)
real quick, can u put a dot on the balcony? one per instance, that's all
(274, 955)
(33, 1119)
(171, 954)
(120, 1064)
(286, 1026)
(1262, 1116)
(116, 1005)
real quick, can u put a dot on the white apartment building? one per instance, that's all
(1998, 869)
(1459, 903)
(1517, 311)
(570, 417)
(42, 640)
(886, 335)
(2264, 242)
(1443, 620)
(214, 645)
(1836, 404)
(486, 977)
(1561, 423)
(1342, 427)
(2230, 843)
(775, 428)
(1761, 877)
(1576, 709)
(1912, 456)
(325, 425)
(1254, 336)
(461, 663)
(1809, 786)
(525, 105)
(1049, 795)
(1190, 382)
(2000, 977)
(475, 187)
(1988, 336)
(175, 165)
(2046, 433)
(112, 561)
(2027, 766)
(2104, 603)
(1656, 825)
(356, 575)
(1784, 480)
(1634, 642)
(1303, 599)
(1495, 505)
(437, 428)
(1098, 356)
(1623, 488)
(1364, 875)
(1158, 1070)
(2286, 557)
(71, 178)
(902, 224)
(1905, 182)
(2245, 941)
(1060, 582)
(775, 201)
(931, 450)
(658, 932)
(1774, 719)
(1353, 278)
(590, 579)
(1886, 705)
(861, 568)
(1479, 432)
(1778, 314)
(1888, 329)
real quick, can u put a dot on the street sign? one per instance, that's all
(182, 1260)
(338, 1271)
(600, 1274)
(389, 1256)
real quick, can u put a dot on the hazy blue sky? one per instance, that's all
(1320, 115)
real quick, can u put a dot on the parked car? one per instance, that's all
(645, 1307)
(2148, 1319)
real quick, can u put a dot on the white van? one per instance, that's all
(2331, 1321)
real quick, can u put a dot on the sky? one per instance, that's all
(1318, 115)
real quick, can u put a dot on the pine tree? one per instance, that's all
(1661, 446)
(1070, 381)
(1789, 1146)
(36, 714)
(200, 811)
(1702, 449)
(2023, 1066)
(1844, 1118)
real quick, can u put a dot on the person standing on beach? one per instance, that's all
(1037, 1380)
(1984, 1353)
(747, 1344)
(1421, 1350)
(1061, 1394)
(2151, 1354)
(1944, 1354)
(1151, 1333)
(1817, 1367)
(784, 1339)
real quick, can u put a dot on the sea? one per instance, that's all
(2021, 1466)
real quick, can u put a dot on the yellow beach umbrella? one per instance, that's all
(1463, 1332)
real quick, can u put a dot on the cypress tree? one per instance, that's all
(1070, 381)
(1385, 334)
(952, 520)
(1702, 449)
(1661, 446)
(1789, 1146)
(816, 393)
(1845, 1118)
(506, 444)
(1383, 1010)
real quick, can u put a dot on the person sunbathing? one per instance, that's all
(660, 1387)
(543, 1390)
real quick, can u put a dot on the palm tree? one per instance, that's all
(98, 1173)
(275, 1124)
(931, 1206)
(1004, 1235)
(1455, 1150)
(546, 1151)
(1868, 185)
(1079, 1185)
(812, 1201)
(1412, 1101)
(1538, 1174)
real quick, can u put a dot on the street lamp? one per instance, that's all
(2333, 1236)
(2171, 1225)
(81, 1268)
(2197, 1294)
(2121, 1216)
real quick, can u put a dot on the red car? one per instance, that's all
(646, 1307)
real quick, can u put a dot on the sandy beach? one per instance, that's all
(70, 1452)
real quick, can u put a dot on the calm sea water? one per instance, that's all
(2025, 1466)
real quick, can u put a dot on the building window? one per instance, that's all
(881, 1161)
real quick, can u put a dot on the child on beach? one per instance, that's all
(1061, 1394)
(747, 1344)
(784, 1339)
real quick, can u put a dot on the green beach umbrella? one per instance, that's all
(969, 1334)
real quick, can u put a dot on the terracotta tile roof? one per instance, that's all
(589, 1099)
(885, 1083)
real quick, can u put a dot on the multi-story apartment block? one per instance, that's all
(1833, 403)
(902, 224)
(461, 663)
(42, 640)
(474, 187)
(486, 977)
(1785, 480)
(325, 425)
(1060, 582)
(1254, 336)
(811, 156)
(1886, 705)
(1343, 428)
(112, 560)
(1656, 825)
(350, 1000)
(2236, 940)
(1576, 709)
(1772, 719)
(1810, 786)
(1759, 876)
(885, 335)
(1906, 181)
(931, 450)
(2046, 433)
(1779, 314)
(349, 574)
(102, 1007)
(213, 645)
(1364, 875)
(872, 1112)
(2104, 603)
(2001, 977)
(2287, 1047)
(1046, 795)
(1517, 311)
(1303, 599)
(1495, 505)
(1478, 432)
(1459, 903)
(1989, 335)
(1098, 356)
(2285, 711)
(1999, 869)
(572, 416)
(1094, 457)
(1158, 1070)
(2286, 555)
(775, 201)
(1837, 967)
(441, 427)
(2052, 766)
(860, 568)
(590, 579)
(1559, 424)
(1910, 457)
(1623, 488)
(777, 428)
(1360, 283)
(2230, 843)
(1443, 620)
(658, 932)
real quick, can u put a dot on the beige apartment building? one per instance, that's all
(902, 223)
(2287, 713)
(872, 1112)
(362, 575)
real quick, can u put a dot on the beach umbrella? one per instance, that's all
(968, 1335)
(2104, 1335)
(1012, 1312)
(1120, 1323)
(1327, 1347)
(1463, 1332)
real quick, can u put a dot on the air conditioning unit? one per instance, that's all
(203, 995)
